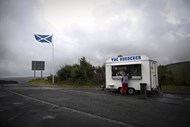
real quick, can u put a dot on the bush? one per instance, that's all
(83, 73)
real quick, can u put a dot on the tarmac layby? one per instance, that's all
(34, 106)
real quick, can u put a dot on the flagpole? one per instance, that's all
(52, 62)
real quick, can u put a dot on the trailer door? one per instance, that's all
(153, 74)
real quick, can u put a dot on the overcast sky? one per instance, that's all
(96, 29)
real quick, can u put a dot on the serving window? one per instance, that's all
(134, 71)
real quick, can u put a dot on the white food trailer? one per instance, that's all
(141, 69)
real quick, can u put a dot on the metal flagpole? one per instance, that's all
(52, 62)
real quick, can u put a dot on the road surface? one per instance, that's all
(33, 106)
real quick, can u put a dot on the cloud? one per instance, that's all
(94, 29)
(19, 21)
(141, 29)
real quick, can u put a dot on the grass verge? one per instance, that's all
(39, 82)
(175, 88)
(67, 84)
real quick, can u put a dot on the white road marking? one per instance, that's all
(17, 103)
(31, 98)
(75, 110)
(49, 117)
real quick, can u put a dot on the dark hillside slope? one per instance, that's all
(180, 72)
(175, 74)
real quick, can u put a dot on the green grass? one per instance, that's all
(65, 84)
(175, 88)
(39, 82)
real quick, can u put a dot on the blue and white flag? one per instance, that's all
(44, 38)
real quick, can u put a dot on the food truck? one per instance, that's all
(141, 70)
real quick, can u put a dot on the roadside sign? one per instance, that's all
(38, 65)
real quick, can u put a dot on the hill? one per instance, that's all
(175, 74)
(8, 82)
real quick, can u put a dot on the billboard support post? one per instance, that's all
(41, 74)
(34, 74)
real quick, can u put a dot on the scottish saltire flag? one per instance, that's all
(44, 38)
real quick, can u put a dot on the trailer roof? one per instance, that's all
(123, 63)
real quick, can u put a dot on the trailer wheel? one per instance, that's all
(131, 91)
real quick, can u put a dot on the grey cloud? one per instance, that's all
(19, 22)
(154, 37)
(158, 29)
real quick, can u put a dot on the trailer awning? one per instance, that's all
(123, 63)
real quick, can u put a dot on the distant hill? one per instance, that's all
(8, 82)
(175, 74)
(16, 79)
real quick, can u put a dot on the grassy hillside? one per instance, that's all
(175, 74)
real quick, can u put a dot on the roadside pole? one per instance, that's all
(52, 62)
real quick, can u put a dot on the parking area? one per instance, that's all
(22, 105)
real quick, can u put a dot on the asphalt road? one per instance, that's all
(29, 106)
